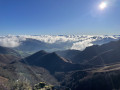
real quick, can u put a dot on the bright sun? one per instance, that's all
(103, 5)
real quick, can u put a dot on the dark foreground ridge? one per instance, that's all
(95, 68)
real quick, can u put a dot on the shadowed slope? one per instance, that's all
(50, 61)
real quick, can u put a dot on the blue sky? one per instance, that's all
(36, 17)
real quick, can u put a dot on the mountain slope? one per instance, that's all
(31, 45)
(6, 58)
(5, 50)
(96, 50)
(108, 57)
(68, 54)
(8, 55)
(50, 61)
(104, 78)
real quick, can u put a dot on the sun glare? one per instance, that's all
(103, 5)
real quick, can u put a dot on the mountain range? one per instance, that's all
(51, 43)
(97, 67)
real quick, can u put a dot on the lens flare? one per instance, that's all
(103, 5)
